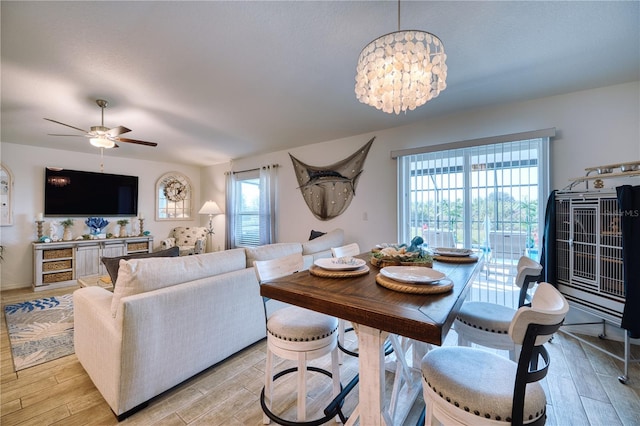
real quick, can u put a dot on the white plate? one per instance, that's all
(412, 274)
(340, 263)
(450, 251)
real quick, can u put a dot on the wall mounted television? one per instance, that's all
(78, 193)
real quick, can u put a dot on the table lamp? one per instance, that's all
(211, 208)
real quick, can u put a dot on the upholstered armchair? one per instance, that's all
(190, 240)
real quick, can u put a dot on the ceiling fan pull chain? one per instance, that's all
(101, 160)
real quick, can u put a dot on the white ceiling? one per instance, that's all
(209, 81)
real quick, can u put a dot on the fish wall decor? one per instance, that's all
(328, 191)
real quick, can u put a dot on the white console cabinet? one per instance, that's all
(60, 264)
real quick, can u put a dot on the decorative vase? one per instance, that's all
(67, 235)
(123, 231)
(96, 224)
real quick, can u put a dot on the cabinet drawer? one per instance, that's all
(56, 265)
(57, 253)
(57, 277)
(137, 247)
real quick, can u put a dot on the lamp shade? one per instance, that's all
(102, 142)
(210, 207)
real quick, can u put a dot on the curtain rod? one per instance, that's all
(275, 166)
(535, 134)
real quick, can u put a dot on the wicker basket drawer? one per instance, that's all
(137, 246)
(57, 253)
(57, 277)
(56, 265)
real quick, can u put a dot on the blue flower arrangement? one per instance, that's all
(96, 224)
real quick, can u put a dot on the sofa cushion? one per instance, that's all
(333, 238)
(143, 275)
(271, 251)
(112, 264)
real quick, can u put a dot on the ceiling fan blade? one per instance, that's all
(118, 131)
(136, 141)
(57, 134)
(68, 125)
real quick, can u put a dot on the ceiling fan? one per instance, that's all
(103, 137)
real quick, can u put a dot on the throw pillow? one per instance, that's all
(333, 238)
(315, 234)
(112, 264)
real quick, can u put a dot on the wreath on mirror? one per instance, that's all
(174, 190)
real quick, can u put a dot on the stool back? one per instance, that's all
(352, 249)
(532, 327)
(529, 272)
(277, 268)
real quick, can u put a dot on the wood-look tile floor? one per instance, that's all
(582, 388)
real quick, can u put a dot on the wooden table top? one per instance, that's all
(361, 300)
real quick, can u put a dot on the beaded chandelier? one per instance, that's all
(401, 70)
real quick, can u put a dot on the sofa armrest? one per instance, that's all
(98, 340)
(168, 243)
(200, 246)
(222, 315)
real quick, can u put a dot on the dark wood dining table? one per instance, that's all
(377, 311)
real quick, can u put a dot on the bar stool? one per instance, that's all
(487, 324)
(464, 386)
(296, 334)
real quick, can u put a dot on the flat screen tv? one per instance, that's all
(78, 193)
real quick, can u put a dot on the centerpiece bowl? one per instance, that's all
(401, 255)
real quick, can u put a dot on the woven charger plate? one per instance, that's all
(456, 259)
(442, 286)
(326, 273)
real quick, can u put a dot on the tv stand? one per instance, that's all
(60, 264)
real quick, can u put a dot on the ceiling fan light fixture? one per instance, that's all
(101, 142)
(401, 70)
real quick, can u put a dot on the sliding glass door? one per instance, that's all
(487, 197)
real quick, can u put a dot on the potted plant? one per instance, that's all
(123, 227)
(67, 224)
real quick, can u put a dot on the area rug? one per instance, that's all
(40, 330)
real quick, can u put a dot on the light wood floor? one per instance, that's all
(582, 389)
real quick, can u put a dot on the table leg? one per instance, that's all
(371, 367)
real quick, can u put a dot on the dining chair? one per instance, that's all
(464, 386)
(296, 334)
(486, 323)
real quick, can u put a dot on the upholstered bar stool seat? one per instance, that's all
(486, 387)
(486, 324)
(290, 326)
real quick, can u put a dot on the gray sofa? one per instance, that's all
(170, 318)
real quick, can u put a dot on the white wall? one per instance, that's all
(28, 163)
(594, 127)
